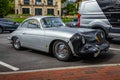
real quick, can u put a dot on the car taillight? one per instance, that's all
(78, 20)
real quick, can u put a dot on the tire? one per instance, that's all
(62, 51)
(1, 30)
(16, 43)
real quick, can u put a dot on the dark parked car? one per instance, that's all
(73, 23)
(7, 25)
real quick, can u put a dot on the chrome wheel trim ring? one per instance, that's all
(17, 43)
(61, 50)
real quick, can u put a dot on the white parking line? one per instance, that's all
(9, 66)
(61, 68)
(115, 49)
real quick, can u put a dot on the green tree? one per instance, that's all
(11, 6)
(70, 9)
(63, 1)
(4, 7)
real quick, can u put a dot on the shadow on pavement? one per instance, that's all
(115, 41)
(89, 59)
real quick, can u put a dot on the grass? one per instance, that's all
(66, 19)
(19, 20)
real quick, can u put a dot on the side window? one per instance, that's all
(30, 24)
(46, 23)
(92, 7)
(25, 24)
(33, 24)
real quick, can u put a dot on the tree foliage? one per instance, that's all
(6, 6)
(70, 9)
(11, 6)
(63, 1)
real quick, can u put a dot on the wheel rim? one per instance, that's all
(61, 50)
(17, 43)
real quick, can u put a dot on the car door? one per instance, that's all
(33, 35)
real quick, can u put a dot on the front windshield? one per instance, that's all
(51, 22)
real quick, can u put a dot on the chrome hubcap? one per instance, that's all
(61, 50)
(17, 43)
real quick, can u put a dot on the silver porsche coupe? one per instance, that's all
(49, 34)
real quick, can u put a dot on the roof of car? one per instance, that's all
(39, 17)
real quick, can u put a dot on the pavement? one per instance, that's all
(35, 65)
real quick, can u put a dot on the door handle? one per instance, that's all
(24, 33)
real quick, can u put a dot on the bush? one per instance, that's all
(19, 20)
(18, 16)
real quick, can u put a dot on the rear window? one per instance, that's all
(92, 7)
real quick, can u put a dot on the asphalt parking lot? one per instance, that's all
(12, 60)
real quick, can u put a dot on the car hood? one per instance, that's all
(67, 31)
(71, 30)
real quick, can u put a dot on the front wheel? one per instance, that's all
(62, 51)
(16, 43)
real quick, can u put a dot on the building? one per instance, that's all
(38, 7)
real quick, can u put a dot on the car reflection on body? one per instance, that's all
(49, 34)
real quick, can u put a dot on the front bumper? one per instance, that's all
(92, 48)
(95, 48)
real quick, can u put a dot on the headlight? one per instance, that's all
(83, 40)
(78, 41)
(78, 38)
(102, 35)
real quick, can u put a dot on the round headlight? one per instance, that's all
(77, 36)
(83, 40)
(102, 35)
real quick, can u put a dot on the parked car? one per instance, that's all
(7, 25)
(100, 14)
(73, 23)
(49, 34)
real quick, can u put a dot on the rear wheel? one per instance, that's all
(62, 51)
(1, 30)
(16, 43)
